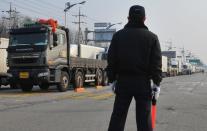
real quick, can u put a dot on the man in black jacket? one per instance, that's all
(134, 59)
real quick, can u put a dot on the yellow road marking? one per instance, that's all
(103, 96)
(73, 95)
(92, 95)
(18, 94)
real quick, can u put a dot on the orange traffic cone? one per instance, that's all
(79, 89)
(99, 86)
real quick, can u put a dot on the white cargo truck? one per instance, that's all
(193, 69)
(164, 66)
(187, 69)
(86, 51)
(174, 64)
(3, 61)
(180, 65)
(90, 52)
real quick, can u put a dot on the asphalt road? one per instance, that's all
(182, 106)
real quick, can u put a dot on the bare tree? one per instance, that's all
(79, 37)
(6, 24)
(4, 28)
(25, 20)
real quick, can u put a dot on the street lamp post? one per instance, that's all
(110, 25)
(68, 6)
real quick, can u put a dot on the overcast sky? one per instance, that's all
(183, 22)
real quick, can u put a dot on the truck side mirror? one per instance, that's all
(55, 39)
(105, 56)
(97, 56)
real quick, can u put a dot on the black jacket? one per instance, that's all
(134, 53)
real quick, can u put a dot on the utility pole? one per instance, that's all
(12, 16)
(66, 14)
(79, 25)
(169, 45)
(183, 54)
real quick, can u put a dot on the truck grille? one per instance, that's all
(25, 61)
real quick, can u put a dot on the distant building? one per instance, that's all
(195, 62)
(169, 54)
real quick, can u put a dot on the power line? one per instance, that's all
(28, 9)
(37, 12)
(39, 8)
(48, 3)
(45, 6)
(92, 19)
(34, 11)
(36, 8)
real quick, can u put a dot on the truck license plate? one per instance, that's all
(24, 75)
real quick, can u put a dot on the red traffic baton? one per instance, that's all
(153, 112)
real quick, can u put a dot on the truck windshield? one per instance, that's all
(185, 66)
(29, 39)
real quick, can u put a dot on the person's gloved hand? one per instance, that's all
(155, 91)
(113, 86)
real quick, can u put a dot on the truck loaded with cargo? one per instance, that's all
(3, 62)
(40, 54)
(187, 69)
(164, 66)
(173, 67)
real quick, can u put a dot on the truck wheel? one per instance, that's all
(78, 79)
(44, 86)
(26, 87)
(64, 82)
(99, 77)
(105, 81)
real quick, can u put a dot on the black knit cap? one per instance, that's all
(136, 12)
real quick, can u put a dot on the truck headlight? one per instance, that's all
(43, 74)
(50, 62)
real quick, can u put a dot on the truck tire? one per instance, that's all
(78, 79)
(99, 77)
(26, 87)
(64, 82)
(44, 86)
(105, 81)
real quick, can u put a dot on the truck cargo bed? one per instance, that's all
(88, 63)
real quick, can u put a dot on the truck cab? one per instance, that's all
(174, 65)
(34, 53)
(187, 69)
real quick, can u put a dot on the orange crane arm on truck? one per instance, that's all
(50, 22)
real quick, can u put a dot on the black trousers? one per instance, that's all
(120, 111)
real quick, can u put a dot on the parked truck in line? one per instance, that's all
(164, 66)
(3, 62)
(40, 54)
(173, 67)
(187, 69)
